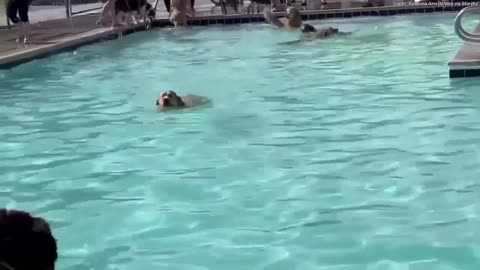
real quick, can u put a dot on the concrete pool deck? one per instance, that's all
(55, 36)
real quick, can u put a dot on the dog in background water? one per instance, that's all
(17, 12)
(113, 10)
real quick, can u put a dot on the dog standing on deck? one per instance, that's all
(178, 15)
(113, 10)
(16, 9)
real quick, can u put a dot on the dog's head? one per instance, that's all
(294, 17)
(333, 30)
(329, 32)
(169, 99)
(307, 28)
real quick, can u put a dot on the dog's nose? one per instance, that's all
(157, 103)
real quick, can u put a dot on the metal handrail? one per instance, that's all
(461, 32)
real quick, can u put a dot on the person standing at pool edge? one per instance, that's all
(26, 242)
(16, 9)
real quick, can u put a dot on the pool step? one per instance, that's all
(467, 61)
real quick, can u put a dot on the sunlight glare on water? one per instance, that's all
(353, 153)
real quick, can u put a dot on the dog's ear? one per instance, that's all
(179, 101)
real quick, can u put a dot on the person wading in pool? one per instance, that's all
(293, 20)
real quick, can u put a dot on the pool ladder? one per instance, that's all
(461, 32)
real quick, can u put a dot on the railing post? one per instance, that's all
(461, 32)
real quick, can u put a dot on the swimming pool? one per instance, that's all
(355, 153)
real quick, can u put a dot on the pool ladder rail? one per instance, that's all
(461, 32)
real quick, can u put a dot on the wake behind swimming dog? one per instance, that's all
(171, 100)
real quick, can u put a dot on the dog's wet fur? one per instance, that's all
(322, 33)
(178, 15)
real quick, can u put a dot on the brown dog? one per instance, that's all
(178, 16)
(170, 100)
(323, 33)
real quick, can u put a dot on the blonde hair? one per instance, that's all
(295, 18)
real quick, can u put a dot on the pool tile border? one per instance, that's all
(464, 73)
(464, 70)
(72, 42)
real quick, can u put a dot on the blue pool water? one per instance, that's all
(356, 153)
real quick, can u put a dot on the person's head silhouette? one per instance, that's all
(26, 242)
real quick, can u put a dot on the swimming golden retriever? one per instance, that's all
(171, 100)
(311, 32)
